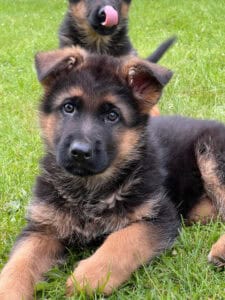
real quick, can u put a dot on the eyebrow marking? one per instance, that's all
(69, 93)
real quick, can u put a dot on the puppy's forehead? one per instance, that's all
(102, 65)
(96, 81)
(97, 76)
(90, 97)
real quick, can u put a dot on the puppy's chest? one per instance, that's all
(81, 221)
(96, 221)
(87, 220)
(98, 217)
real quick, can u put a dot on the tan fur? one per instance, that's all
(64, 223)
(62, 59)
(53, 220)
(48, 125)
(217, 253)
(203, 212)
(112, 264)
(149, 93)
(32, 257)
(124, 10)
(79, 10)
(146, 210)
(48, 122)
(75, 91)
(111, 98)
(155, 112)
(127, 144)
(214, 189)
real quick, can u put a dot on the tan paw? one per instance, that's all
(91, 276)
(9, 290)
(217, 253)
(13, 295)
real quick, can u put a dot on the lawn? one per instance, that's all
(197, 90)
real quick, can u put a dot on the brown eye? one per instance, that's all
(68, 108)
(113, 116)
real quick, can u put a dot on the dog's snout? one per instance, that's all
(81, 151)
(108, 16)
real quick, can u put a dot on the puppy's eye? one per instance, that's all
(69, 108)
(113, 116)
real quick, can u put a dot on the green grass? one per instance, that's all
(196, 90)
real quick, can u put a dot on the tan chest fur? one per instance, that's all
(67, 223)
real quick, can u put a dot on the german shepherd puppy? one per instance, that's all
(101, 27)
(112, 175)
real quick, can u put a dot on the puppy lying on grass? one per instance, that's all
(111, 174)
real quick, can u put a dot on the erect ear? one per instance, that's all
(49, 65)
(146, 81)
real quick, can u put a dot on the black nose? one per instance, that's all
(81, 151)
(101, 15)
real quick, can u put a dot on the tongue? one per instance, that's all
(111, 16)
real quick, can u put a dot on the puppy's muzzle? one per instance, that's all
(108, 16)
(81, 151)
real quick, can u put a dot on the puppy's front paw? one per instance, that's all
(8, 289)
(12, 294)
(93, 275)
(217, 253)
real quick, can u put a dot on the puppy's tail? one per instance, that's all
(160, 51)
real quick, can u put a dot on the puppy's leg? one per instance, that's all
(217, 253)
(32, 256)
(203, 212)
(121, 254)
(211, 161)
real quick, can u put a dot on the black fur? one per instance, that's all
(159, 52)
(178, 138)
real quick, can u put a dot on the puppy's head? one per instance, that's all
(102, 16)
(95, 108)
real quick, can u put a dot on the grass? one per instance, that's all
(197, 90)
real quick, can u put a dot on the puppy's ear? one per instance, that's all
(49, 65)
(146, 81)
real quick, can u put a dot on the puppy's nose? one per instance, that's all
(81, 151)
(101, 15)
(108, 16)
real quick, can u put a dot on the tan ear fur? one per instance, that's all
(146, 81)
(50, 64)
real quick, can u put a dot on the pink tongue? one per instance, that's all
(111, 15)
